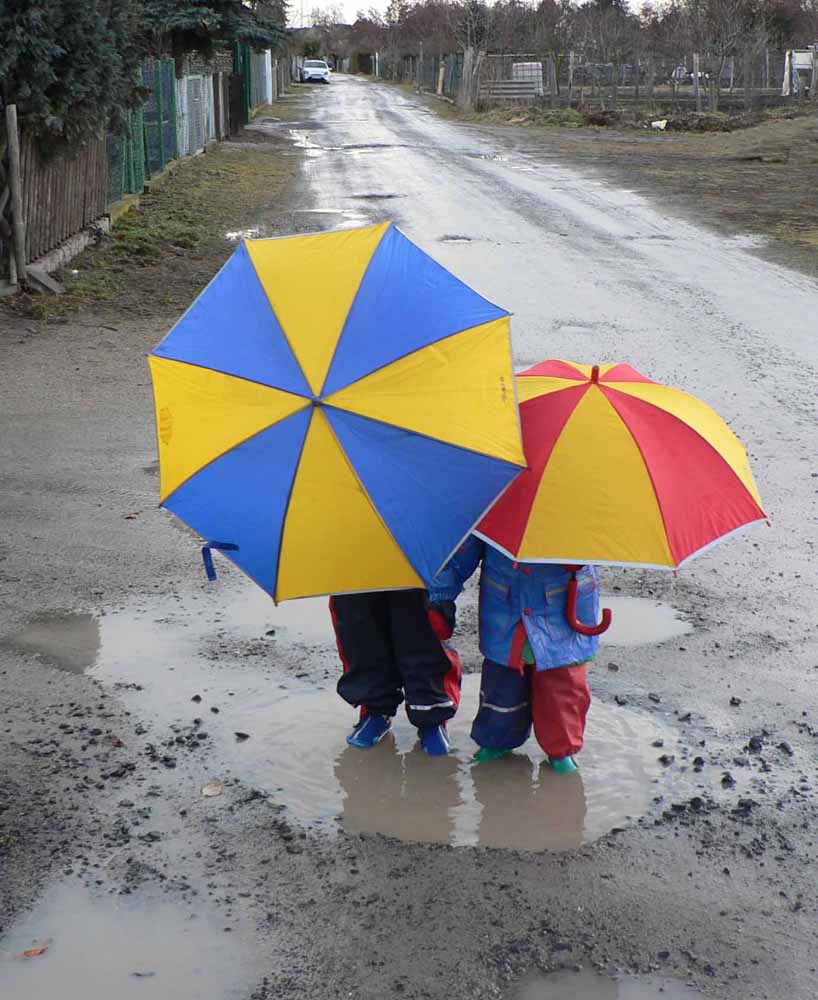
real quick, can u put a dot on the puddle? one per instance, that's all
(592, 986)
(105, 946)
(347, 218)
(376, 197)
(66, 641)
(395, 789)
(253, 233)
(640, 621)
(227, 654)
(76, 642)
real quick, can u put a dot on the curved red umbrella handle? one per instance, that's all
(571, 612)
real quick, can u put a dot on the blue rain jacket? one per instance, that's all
(521, 600)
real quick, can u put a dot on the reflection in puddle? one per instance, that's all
(109, 946)
(592, 986)
(640, 621)
(395, 789)
(67, 641)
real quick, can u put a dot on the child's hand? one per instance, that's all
(442, 619)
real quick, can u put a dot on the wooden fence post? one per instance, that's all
(552, 82)
(650, 81)
(697, 92)
(15, 186)
(813, 80)
(570, 77)
(441, 76)
(748, 81)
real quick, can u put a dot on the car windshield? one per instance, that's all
(316, 62)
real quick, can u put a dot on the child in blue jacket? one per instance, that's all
(535, 668)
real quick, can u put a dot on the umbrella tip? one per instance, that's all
(595, 374)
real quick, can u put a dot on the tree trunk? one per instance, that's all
(748, 81)
(570, 77)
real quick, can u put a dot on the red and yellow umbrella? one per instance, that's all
(622, 471)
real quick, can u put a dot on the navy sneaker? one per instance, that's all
(434, 740)
(369, 731)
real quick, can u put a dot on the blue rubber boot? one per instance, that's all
(564, 765)
(434, 740)
(490, 753)
(369, 731)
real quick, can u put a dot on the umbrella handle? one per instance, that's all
(571, 611)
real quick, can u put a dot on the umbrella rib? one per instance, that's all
(287, 505)
(352, 303)
(236, 444)
(408, 354)
(242, 378)
(428, 437)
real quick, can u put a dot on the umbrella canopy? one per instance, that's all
(336, 412)
(622, 470)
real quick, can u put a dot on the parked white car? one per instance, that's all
(315, 69)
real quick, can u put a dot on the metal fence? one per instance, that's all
(159, 111)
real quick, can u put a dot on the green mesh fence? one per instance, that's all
(159, 114)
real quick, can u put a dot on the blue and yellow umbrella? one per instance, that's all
(336, 412)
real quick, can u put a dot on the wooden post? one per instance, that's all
(748, 81)
(697, 93)
(650, 81)
(813, 80)
(441, 76)
(765, 70)
(570, 77)
(711, 96)
(15, 184)
(420, 69)
(552, 82)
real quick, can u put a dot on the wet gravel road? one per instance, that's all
(129, 686)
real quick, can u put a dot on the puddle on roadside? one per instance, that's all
(236, 235)
(349, 219)
(66, 641)
(593, 986)
(255, 664)
(641, 621)
(397, 790)
(128, 947)
(75, 641)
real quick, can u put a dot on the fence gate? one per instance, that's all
(238, 103)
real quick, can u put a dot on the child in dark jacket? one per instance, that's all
(535, 669)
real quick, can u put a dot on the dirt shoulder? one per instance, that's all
(758, 182)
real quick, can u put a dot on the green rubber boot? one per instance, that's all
(490, 753)
(564, 765)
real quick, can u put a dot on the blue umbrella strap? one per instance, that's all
(207, 555)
